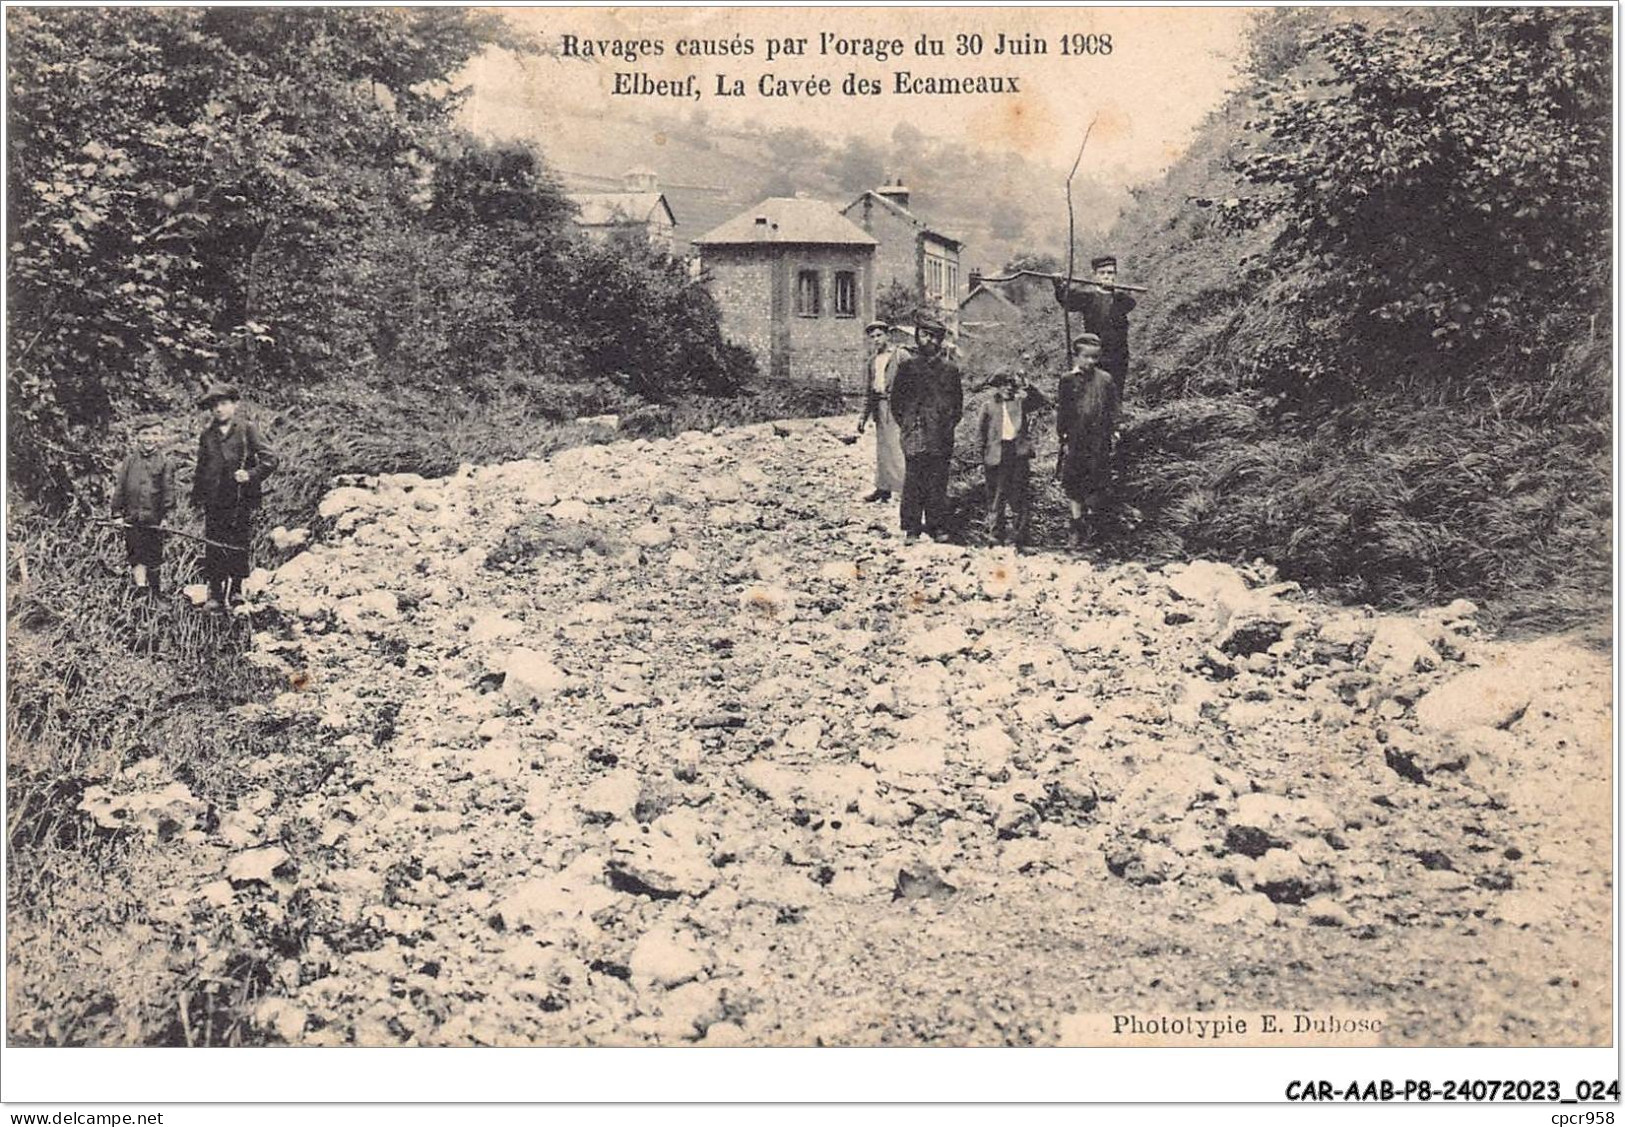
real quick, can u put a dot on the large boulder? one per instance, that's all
(1494, 696)
(529, 676)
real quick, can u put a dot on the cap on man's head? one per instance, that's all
(1086, 338)
(216, 393)
(1102, 260)
(925, 323)
(873, 325)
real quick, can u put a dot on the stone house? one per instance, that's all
(913, 253)
(794, 283)
(985, 307)
(640, 211)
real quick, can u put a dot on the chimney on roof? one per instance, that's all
(975, 277)
(896, 193)
(760, 230)
(640, 180)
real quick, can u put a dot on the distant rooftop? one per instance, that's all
(785, 220)
(894, 198)
(610, 209)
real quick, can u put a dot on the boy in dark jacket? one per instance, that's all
(232, 461)
(1087, 405)
(143, 495)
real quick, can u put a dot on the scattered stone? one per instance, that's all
(1495, 696)
(939, 644)
(1209, 583)
(530, 677)
(613, 796)
(256, 865)
(1243, 907)
(665, 959)
(162, 813)
(921, 882)
(652, 535)
(1323, 911)
(1399, 648)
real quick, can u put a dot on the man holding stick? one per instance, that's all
(232, 462)
(1105, 310)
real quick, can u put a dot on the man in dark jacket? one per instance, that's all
(232, 462)
(927, 399)
(1105, 314)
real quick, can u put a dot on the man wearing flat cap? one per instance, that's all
(1105, 314)
(879, 374)
(232, 462)
(1086, 408)
(927, 399)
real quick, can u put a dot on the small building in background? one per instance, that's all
(985, 306)
(912, 253)
(640, 212)
(794, 282)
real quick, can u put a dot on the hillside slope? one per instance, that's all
(1378, 380)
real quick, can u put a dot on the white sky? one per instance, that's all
(1168, 67)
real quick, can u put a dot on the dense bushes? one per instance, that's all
(1377, 348)
(279, 197)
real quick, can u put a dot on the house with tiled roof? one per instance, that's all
(639, 211)
(986, 306)
(793, 280)
(912, 252)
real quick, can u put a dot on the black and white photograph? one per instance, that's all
(812, 528)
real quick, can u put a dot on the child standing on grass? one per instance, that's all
(143, 495)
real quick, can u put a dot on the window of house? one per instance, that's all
(933, 278)
(807, 303)
(952, 290)
(846, 293)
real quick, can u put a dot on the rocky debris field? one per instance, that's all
(668, 742)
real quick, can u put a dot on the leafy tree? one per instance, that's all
(1444, 193)
(896, 303)
(280, 195)
(1023, 290)
(161, 159)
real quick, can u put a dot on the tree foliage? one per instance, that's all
(1444, 193)
(280, 196)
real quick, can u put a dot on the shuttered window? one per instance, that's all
(846, 293)
(807, 295)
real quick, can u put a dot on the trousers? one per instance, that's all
(888, 450)
(924, 506)
(228, 524)
(1007, 490)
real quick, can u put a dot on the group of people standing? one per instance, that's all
(915, 398)
(233, 460)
